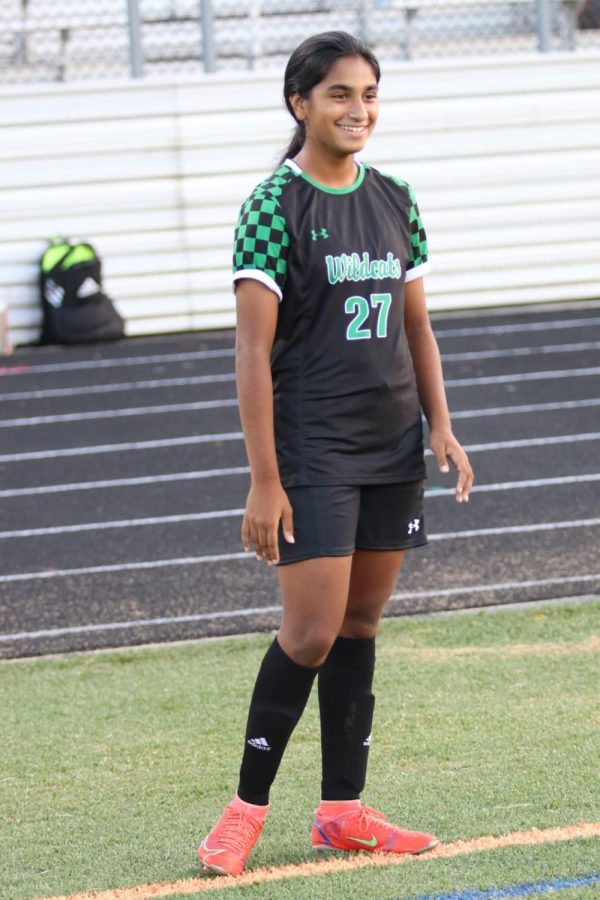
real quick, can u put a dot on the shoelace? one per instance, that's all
(237, 830)
(367, 812)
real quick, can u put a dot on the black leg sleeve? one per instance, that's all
(346, 705)
(280, 694)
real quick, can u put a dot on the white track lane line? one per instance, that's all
(499, 586)
(192, 380)
(227, 557)
(525, 408)
(514, 328)
(107, 483)
(519, 351)
(215, 404)
(238, 435)
(116, 362)
(122, 448)
(522, 376)
(181, 518)
(261, 610)
(118, 413)
(153, 384)
(124, 482)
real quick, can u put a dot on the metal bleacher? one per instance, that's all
(502, 153)
(63, 40)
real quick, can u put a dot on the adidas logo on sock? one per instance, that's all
(367, 741)
(259, 743)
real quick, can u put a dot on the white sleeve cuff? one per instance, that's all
(258, 275)
(417, 271)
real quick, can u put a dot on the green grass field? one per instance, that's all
(114, 765)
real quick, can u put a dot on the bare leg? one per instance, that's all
(314, 595)
(372, 580)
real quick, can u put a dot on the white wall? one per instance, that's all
(504, 155)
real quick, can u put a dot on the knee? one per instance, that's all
(363, 624)
(307, 647)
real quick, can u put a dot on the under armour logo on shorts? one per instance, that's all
(414, 525)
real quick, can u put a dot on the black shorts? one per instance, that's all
(336, 520)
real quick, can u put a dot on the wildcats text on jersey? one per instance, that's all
(350, 267)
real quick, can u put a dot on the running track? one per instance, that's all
(123, 477)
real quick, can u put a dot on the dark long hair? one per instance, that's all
(310, 63)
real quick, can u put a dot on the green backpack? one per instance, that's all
(75, 308)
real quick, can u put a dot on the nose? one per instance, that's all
(358, 110)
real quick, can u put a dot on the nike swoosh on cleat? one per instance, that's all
(210, 850)
(371, 843)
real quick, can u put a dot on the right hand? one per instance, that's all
(266, 506)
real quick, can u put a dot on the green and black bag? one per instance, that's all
(75, 308)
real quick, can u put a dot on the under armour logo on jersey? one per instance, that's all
(414, 525)
(317, 234)
(54, 293)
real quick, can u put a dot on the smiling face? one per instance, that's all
(341, 111)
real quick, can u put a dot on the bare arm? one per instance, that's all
(430, 385)
(267, 503)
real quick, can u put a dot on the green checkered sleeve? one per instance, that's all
(261, 241)
(418, 238)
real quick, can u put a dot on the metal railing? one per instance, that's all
(45, 40)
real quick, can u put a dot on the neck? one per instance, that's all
(335, 172)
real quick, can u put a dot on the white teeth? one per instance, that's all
(355, 129)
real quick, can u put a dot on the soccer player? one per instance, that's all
(335, 360)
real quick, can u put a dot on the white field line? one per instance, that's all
(243, 470)
(232, 513)
(215, 404)
(258, 610)
(238, 435)
(190, 381)
(152, 384)
(116, 362)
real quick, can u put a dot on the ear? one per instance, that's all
(298, 104)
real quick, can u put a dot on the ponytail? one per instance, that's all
(296, 143)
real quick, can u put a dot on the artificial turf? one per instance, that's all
(114, 765)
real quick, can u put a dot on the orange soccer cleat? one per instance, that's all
(350, 826)
(226, 848)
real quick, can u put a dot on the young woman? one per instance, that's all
(335, 360)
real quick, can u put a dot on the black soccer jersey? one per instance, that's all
(345, 398)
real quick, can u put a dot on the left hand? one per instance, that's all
(445, 447)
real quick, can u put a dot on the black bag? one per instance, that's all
(75, 308)
(589, 15)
